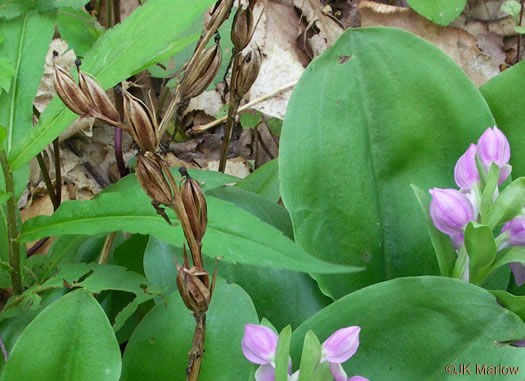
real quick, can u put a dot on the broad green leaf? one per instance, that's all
(76, 343)
(12, 328)
(514, 303)
(158, 349)
(139, 41)
(7, 72)
(520, 29)
(361, 126)
(402, 319)
(445, 252)
(26, 41)
(512, 7)
(282, 353)
(4, 196)
(250, 120)
(488, 191)
(508, 204)
(14, 8)
(504, 97)
(130, 253)
(282, 296)
(232, 232)
(481, 249)
(441, 12)
(264, 181)
(269, 212)
(310, 357)
(79, 29)
(275, 125)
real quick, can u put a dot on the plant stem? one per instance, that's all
(38, 244)
(109, 6)
(232, 110)
(47, 181)
(116, 12)
(4, 350)
(12, 226)
(197, 349)
(106, 249)
(519, 34)
(58, 173)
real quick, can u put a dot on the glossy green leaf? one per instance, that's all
(263, 181)
(310, 357)
(282, 353)
(441, 12)
(269, 212)
(76, 342)
(361, 126)
(232, 233)
(26, 41)
(282, 296)
(158, 349)
(491, 184)
(14, 8)
(443, 247)
(514, 303)
(402, 319)
(508, 204)
(79, 29)
(481, 249)
(139, 41)
(504, 96)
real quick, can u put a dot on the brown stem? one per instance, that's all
(47, 181)
(58, 172)
(106, 249)
(116, 12)
(232, 110)
(197, 348)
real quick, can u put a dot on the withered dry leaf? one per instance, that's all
(238, 167)
(459, 45)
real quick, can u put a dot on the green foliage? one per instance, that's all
(10, 9)
(263, 181)
(79, 29)
(347, 159)
(158, 349)
(70, 340)
(282, 354)
(481, 250)
(402, 318)
(441, 12)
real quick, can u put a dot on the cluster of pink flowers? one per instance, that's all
(451, 209)
(259, 344)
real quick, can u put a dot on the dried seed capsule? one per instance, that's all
(248, 72)
(194, 286)
(70, 93)
(94, 91)
(142, 122)
(152, 180)
(218, 14)
(195, 206)
(202, 73)
(242, 28)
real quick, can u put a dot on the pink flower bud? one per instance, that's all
(466, 172)
(259, 343)
(341, 345)
(450, 210)
(493, 146)
(516, 229)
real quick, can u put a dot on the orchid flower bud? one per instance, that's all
(450, 210)
(493, 146)
(518, 270)
(516, 229)
(466, 172)
(341, 345)
(259, 344)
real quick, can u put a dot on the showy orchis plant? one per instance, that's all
(470, 215)
(259, 345)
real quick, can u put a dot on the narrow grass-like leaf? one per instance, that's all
(508, 204)
(282, 354)
(481, 249)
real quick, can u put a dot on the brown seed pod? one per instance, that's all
(142, 123)
(202, 73)
(70, 93)
(218, 14)
(193, 284)
(94, 91)
(195, 206)
(151, 179)
(248, 72)
(242, 28)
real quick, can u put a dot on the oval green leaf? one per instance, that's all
(378, 111)
(441, 12)
(69, 340)
(158, 349)
(412, 328)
